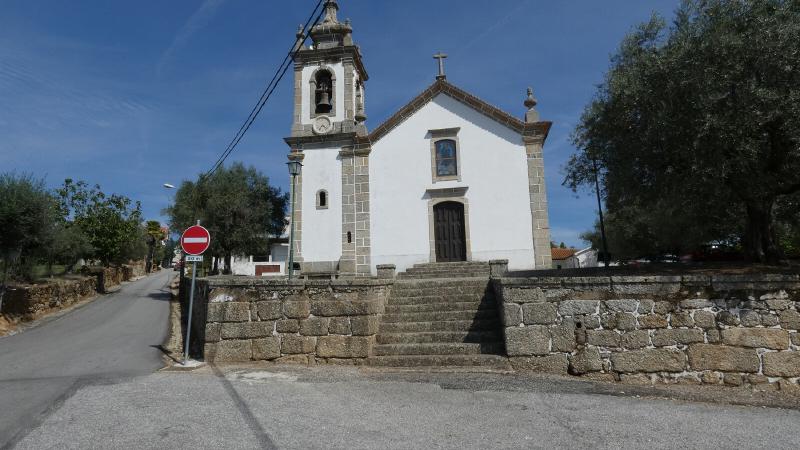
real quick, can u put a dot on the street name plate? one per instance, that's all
(193, 258)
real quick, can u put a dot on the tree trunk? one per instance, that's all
(228, 264)
(760, 240)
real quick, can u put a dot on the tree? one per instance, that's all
(27, 214)
(155, 236)
(702, 118)
(112, 223)
(238, 207)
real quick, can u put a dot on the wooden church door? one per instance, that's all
(449, 230)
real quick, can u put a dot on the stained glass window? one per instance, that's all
(446, 158)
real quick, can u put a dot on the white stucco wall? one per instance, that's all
(493, 168)
(338, 71)
(322, 228)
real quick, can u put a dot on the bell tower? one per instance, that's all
(329, 137)
(329, 80)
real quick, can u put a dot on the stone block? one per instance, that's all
(539, 313)
(603, 338)
(713, 336)
(732, 379)
(527, 341)
(584, 361)
(333, 308)
(779, 304)
(782, 364)
(750, 318)
(681, 319)
(563, 337)
(696, 303)
(232, 351)
(297, 309)
(769, 320)
(246, 330)
(269, 310)
(291, 345)
(728, 318)
(771, 338)
(228, 312)
(364, 325)
(789, 319)
(266, 349)
(512, 314)
(314, 326)
(649, 360)
(295, 359)
(663, 308)
(555, 364)
(339, 325)
(588, 322)
(795, 337)
(705, 319)
(344, 346)
(287, 326)
(635, 339)
(625, 321)
(213, 332)
(635, 378)
(664, 338)
(577, 307)
(514, 295)
(709, 377)
(645, 306)
(723, 358)
(621, 305)
(653, 321)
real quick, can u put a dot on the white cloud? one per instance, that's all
(196, 22)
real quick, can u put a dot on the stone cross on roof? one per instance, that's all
(441, 57)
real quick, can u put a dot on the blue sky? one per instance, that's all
(131, 95)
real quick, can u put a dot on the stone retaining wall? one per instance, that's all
(255, 319)
(29, 301)
(727, 329)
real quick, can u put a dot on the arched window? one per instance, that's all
(322, 199)
(323, 92)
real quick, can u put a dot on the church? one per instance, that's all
(446, 178)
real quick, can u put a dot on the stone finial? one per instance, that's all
(331, 7)
(301, 32)
(531, 115)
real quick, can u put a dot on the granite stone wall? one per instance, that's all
(726, 329)
(29, 301)
(250, 319)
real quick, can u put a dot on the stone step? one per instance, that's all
(485, 361)
(440, 306)
(445, 275)
(432, 316)
(446, 269)
(492, 324)
(439, 336)
(450, 265)
(457, 282)
(431, 299)
(438, 291)
(449, 348)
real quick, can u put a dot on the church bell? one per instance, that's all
(324, 103)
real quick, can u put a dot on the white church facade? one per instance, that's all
(446, 178)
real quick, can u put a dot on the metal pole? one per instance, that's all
(291, 233)
(189, 319)
(600, 211)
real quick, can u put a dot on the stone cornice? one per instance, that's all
(335, 140)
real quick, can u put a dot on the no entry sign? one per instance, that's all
(195, 240)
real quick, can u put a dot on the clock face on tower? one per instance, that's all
(322, 125)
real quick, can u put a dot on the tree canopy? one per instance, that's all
(696, 128)
(238, 207)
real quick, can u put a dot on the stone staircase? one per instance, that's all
(442, 314)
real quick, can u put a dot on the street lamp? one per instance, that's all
(295, 167)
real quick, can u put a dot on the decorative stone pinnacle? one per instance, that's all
(530, 102)
(331, 7)
(301, 32)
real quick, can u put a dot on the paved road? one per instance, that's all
(106, 341)
(344, 408)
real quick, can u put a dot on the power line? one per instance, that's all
(271, 86)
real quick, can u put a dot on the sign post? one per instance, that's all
(194, 241)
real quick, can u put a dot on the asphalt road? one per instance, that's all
(107, 341)
(345, 408)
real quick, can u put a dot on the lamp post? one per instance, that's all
(295, 167)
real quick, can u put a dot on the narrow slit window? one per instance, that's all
(446, 158)
(322, 199)
(349, 237)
